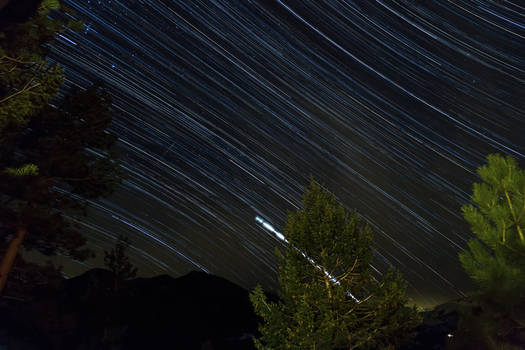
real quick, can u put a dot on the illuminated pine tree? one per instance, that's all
(495, 258)
(328, 299)
(27, 80)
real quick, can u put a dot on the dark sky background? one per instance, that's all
(223, 109)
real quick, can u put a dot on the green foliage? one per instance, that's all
(27, 81)
(495, 259)
(117, 261)
(314, 312)
(24, 170)
(47, 5)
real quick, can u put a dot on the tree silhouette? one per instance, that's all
(52, 164)
(52, 157)
(117, 261)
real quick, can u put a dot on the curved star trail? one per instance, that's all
(224, 109)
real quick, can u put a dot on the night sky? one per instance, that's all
(224, 109)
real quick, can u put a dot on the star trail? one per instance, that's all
(223, 110)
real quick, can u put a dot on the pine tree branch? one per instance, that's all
(518, 228)
(504, 231)
(20, 92)
(15, 60)
(343, 276)
(523, 208)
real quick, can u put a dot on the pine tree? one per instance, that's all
(494, 316)
(27, 81)
(68, 152)
(52, 158)
(328, 298)
(495, 258)
(117, 261)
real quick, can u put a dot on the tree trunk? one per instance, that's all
(10, 255)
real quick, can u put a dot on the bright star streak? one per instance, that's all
(280, 236)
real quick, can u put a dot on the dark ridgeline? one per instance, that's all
(196, 311)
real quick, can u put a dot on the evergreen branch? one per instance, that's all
(364, 300)
(20, 92)
(504, 231)
(15, 60)
(523, 208)
(327, 283)
(518, 227)
(349, 272)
